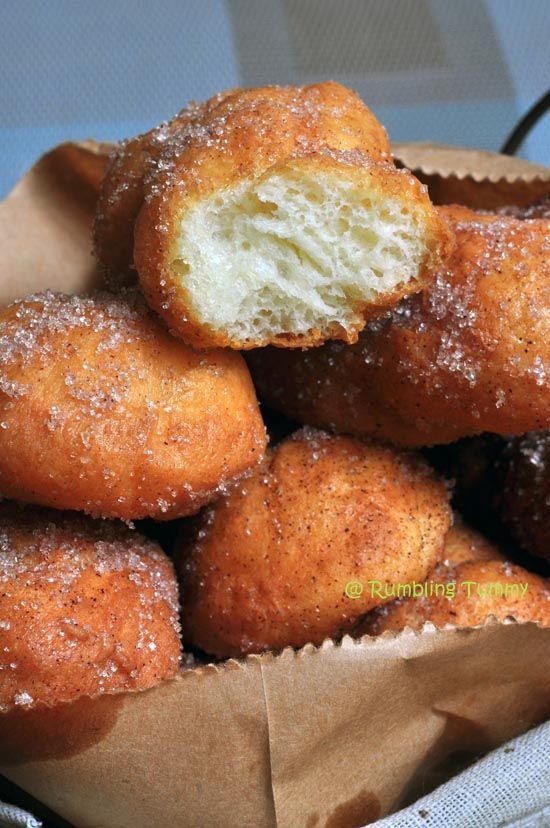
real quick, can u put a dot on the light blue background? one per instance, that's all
(110, 68)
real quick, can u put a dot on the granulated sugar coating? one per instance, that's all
(86, 607)
(539, 209)
(469, 354)
(483, 588)
(101, 410)
(270, 215)
(268, 565)
(525, 502)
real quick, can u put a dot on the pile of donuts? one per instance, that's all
(298, 370)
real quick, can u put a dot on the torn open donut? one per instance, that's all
(272, 216)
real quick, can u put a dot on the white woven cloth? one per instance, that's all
(509, 788)
(12, 817)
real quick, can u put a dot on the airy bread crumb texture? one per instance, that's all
(296, 252)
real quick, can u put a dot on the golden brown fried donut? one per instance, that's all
(86, 607)
(121, 197)
(102, 410)
(469, 354)
(270, 215)
(483, 588)
(525, 501)
(120, 200)
(267, 565)
(463, 544)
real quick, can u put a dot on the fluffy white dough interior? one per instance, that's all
(290, 252)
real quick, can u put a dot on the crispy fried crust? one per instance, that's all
(86, 607)
(102, 410)
(464, 610)
(525, 501)
(154, 180)
(267, 565)
(469, 354)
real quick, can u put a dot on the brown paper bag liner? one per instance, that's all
(45, 223)
(335, 736)
(479, 179)
(327, 737)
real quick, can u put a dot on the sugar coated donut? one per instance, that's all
(481, 589)
(102, 410)
(87, 607)
(471, 353)
(285, 557)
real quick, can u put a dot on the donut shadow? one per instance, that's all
(56, 732)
